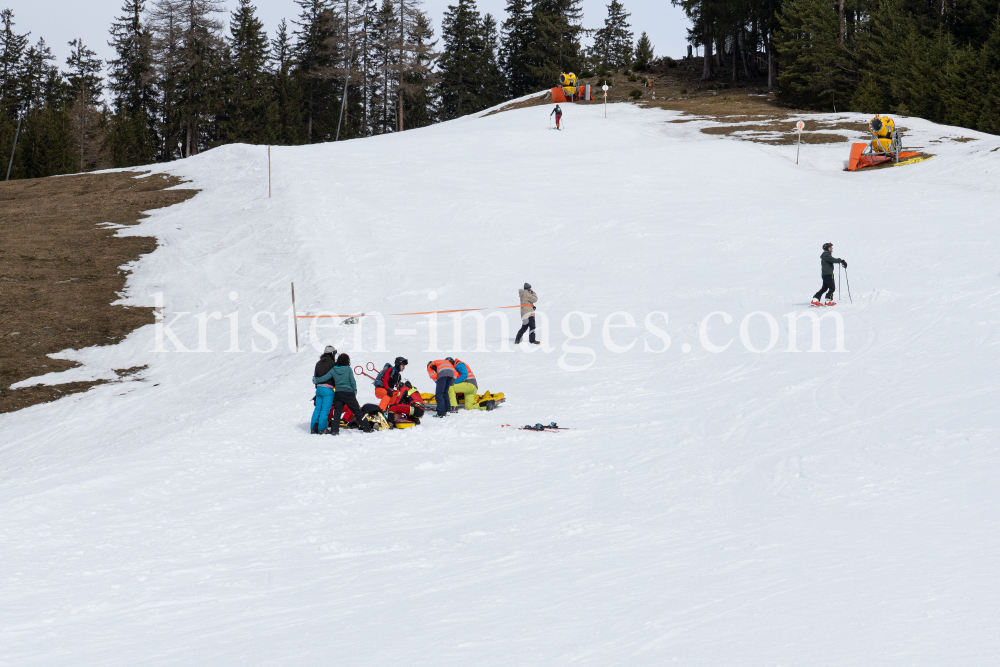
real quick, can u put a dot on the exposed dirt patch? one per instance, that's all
(524, 104)
(776, 135)
(60, 271)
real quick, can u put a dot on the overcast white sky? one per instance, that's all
(59, 21)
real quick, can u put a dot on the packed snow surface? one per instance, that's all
(714, 505)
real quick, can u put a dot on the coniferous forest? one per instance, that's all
(937, 59)
(188, 76)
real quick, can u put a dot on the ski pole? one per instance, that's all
(848, 286)
(839, 281)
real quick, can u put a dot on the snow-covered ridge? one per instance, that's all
(711, 507)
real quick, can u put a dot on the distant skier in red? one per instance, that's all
(827, 262)
(558, 113)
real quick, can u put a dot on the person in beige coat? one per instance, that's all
(528, 299)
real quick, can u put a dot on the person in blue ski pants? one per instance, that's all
(323, 380)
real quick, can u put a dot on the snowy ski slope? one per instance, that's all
(714, 506)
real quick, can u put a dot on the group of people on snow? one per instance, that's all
(336, 388)
(336, 395)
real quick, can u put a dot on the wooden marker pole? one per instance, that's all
(295, 319)
(799, 126)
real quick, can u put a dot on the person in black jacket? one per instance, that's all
(346, 394)
(323, 380)
(827, 262)
(557, 112)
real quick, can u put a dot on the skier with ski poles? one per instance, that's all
(558, 114)
(827, 262)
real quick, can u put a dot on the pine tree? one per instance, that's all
(287, 93)
(555, 41)
(251, 113)
(613, 42)
(420, 80)
(190, 31)
(414, 61)
(131, 136)
(167, 48)
(315, 63)
(643, 53)
(989, 77)
(494, 84)
(86, 85)
(815, 65)
(515, 39)
(461, 61)
(12, 47)
(383, 59)
(45, 147)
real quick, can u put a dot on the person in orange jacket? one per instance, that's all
(388, 381)
(442, 372)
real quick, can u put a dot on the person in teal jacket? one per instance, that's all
(323, 381)
(345, 393)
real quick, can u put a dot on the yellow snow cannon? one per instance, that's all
(883, 131)
(568, 83)
(886, 145)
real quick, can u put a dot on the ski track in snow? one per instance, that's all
(709, 509)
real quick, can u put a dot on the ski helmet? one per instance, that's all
(452, 360)
(400, 361)
(827, 246)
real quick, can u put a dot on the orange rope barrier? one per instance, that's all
(427, 312)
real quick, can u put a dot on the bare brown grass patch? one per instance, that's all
(59, 272)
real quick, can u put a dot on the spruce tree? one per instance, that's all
(462, 63)
(494, 84)
(287, 93)
(414, 61)
(384, 58)
(251, 111)
(643, 53)
(515, 39)
(45, 147)
(167, 49)
(86, 85)
(131, 136)
(815, 65)
(419, 81)
(555, 41)
(189, 33)
(613, 42)
(988, 119)
(316, 61)
(12, 47)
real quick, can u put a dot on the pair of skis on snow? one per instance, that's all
(538, 427)
(817, 304)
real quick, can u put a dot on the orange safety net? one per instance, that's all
(859, 161)
(558, 95)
